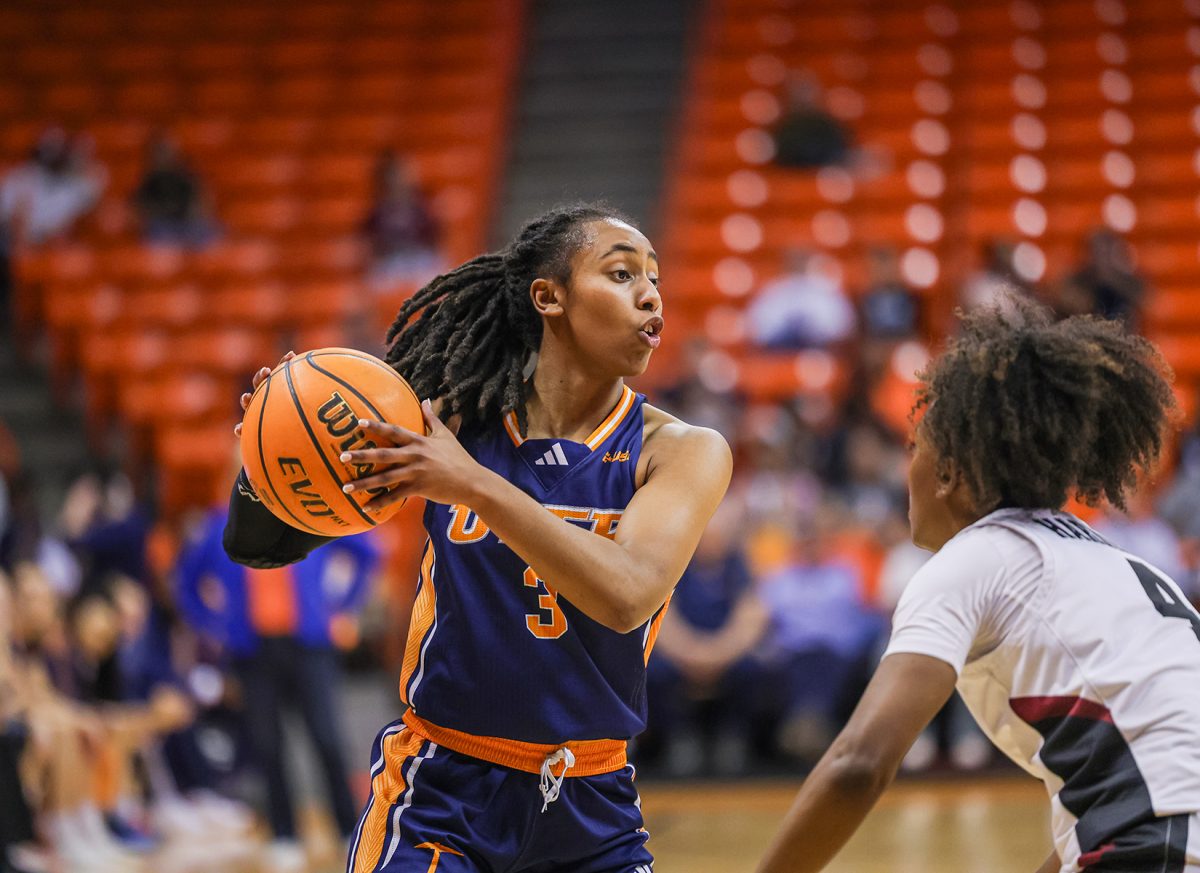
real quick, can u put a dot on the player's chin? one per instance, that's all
(638, 364)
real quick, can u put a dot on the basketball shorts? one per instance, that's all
(432, 810)
(1168, 844)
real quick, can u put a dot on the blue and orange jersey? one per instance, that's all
(493, 651)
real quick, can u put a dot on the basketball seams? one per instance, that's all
(320, 451)
(371, 406)
(263, 458)
(367, 359)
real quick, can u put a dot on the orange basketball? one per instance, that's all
(300, 420)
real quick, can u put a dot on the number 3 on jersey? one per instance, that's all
(548, 623)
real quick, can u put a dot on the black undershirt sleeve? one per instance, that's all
(255, 537)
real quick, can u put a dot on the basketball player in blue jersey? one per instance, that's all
(562, 509)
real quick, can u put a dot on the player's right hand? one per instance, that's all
(254, 383)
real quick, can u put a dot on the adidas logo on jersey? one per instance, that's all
(554, 457)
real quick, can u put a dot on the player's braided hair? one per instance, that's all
(467, 335)
(1033, 410)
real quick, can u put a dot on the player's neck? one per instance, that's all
(567, 403)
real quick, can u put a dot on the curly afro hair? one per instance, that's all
(1033, 411)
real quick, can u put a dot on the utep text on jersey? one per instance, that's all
(493, 651)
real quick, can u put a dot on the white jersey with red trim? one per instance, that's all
(1082, 663)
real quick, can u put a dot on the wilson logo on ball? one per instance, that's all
(340, 420)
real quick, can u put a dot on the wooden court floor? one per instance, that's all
(998, 825)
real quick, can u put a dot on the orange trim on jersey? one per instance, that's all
(513, 428)
(386, 789)
(610, 424)
(598, 436)
(655, 627)
(592, 757)
(424, 613)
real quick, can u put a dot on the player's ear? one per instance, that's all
(949, 477)
(546, 295)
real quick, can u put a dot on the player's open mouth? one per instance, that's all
(652, 332)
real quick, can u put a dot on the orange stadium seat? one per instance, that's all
(282, 112)
(247, 303)
(235, 259)
(174, 396)
(165, 22)
(174, 305)
(227, 351)
(262, 216)
(328, 302)
(249, 21)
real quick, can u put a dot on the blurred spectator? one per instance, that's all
(42, 198)
(953, 730)
(804, 308)
(1180, 507)
(809, 136)
(401, 230)
(1141, 532)
(871, 465)
(1106, 282)
(277, 627)
(24, 538)
(71, 747)
(693, 398)
(10, 454)
(820, 639)
(703, 659)
(890, 309)
(18, 839)
(172, 204)
(996, 277)
(105, 525)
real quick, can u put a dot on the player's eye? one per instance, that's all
(654, 281)
(622, 275)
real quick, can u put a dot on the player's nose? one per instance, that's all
(648, 299)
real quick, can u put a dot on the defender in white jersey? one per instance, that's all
(1080, 661)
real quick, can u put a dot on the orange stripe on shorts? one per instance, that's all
(389, 785)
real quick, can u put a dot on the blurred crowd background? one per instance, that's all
(189, 191)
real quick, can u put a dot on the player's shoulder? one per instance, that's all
(669, 440)
(990, 540)
(663, 433)
(978, 551)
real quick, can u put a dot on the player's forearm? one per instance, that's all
(833, 802)
(596, 574)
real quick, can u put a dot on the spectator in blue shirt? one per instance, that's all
(275, 625)
(820, 640)
(703, 660)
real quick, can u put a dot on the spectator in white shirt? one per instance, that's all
(806, 307)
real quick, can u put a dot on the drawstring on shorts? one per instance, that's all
(551, 785)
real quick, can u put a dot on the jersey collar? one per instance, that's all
(606, 429)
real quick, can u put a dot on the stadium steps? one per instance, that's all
(599, 94)
(51, 438)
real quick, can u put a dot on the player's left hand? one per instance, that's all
(434, 465)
